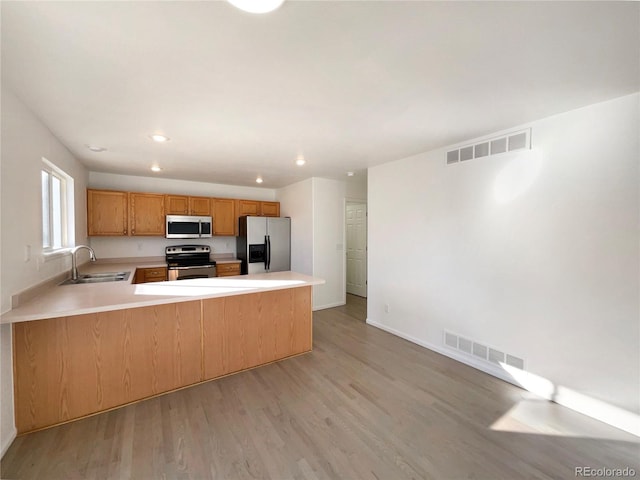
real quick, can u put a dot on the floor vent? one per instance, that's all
(520, 140)
(481, 351)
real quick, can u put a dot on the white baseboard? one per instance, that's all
(8, 441)
(467, 360)
(329, 305)
(591, 407)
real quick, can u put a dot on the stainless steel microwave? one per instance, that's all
(189, 226)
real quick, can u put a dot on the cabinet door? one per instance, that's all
(224, 217)
(248, 207)
(146, 275)
(177, 204)
(69, 367)
(200, 206)
(146, 214)
(107, 213)
(227, 269)
(270, 209)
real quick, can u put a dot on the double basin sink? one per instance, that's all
(98, 278)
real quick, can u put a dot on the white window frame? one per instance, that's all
(67, 217)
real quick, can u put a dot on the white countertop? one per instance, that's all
(65, 300)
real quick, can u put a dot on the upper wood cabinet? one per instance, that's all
(176, 204)
(185, 205)
(116, 213)
(224, 217)
(248, 207)
(146, 214)
(270, 209)
(107, 213)
(200, 206)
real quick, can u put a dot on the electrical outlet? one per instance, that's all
(386, 308)
(27, 253)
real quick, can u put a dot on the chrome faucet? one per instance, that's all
(74, 263)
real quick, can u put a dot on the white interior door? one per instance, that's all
(357, 249)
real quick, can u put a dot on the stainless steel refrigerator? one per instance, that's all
(264, 244)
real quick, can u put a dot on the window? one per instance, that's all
(57, 214)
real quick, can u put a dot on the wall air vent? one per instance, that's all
(478, 350)
(511, 142)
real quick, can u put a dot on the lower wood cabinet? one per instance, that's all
(227, 269)
(146, 275)
(244, 331)
(70, 367)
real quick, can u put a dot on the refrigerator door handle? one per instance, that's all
(268, 252)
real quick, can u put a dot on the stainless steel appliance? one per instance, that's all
(188, 226)
(264, 244)
(189, 261)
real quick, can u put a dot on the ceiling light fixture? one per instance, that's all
(155, 168)
(96, 149)
(156, 137)
(259, 180)
(300, 160)
(257, 6)
(350, 174)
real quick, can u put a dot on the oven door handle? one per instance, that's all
(192, 267)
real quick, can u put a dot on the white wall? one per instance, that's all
(121, 247)
(533, 253)
(316, 207)
(25, 140)
(328, 242)
(356, 187)
(296, 201)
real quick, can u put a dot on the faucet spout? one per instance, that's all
(74, 261)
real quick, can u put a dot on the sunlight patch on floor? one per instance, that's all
(542, 417)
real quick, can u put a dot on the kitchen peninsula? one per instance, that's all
(83, 349)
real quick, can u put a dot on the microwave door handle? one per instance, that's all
(199, 228)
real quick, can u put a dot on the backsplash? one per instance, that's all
(122, 247)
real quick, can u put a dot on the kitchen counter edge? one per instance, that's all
(69, 300)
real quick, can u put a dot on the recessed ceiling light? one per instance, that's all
(259, 180)
(156, 137)
(350, 174)
(300, 160)
(96, 149)
(256, 6)
(155, 168)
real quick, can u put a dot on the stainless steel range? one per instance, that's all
(189, 261)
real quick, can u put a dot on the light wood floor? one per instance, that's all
(364, 404)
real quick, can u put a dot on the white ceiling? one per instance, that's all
(348, 84)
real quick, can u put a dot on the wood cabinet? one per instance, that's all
(256, 208)
(227, 269)
(243, 331)
(176, 204)
(146, 214)
(224, 216)
(146, 275)
(200, 206)
(185, 205)
(107, 213)
(69, 367)
(270, 209)
(248, 207)
(117, 213)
